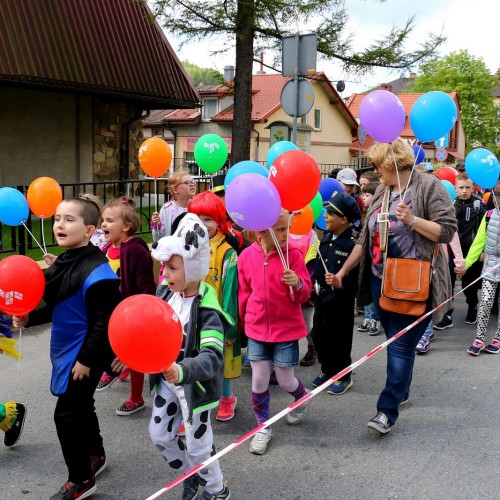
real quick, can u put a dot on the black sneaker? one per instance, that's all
(446, 322)
(14, 433)
(224, 494)
(191, 487)
(72, 491)
(471, 318)
(380, 423)
(97, 464)
(310, 356)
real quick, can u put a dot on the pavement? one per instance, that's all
(445, 445)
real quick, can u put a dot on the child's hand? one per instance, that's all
(79, 371)
(229, 342)
(290, 278)
(155, 218)
(20, 321)
(117, 366)
(49, 259)
(332, 280)
(171, 374)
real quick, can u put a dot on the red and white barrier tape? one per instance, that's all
(305, 398)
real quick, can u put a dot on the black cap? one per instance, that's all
(344, 205)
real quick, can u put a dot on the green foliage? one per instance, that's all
(468, 76)
(203, 76)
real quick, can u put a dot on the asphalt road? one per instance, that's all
(445, 445)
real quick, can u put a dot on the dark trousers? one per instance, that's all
(77, 426)
(332, 335)
(472, 273)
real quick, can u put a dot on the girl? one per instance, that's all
(269, 305)
(130, 258)
(223, 277)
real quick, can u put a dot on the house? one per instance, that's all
(76, 80)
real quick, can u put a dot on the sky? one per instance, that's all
(467, 25)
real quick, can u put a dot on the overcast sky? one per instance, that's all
(467, 25)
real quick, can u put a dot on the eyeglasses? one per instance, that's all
(497, 193)
(189, 182)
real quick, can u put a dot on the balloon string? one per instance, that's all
(32, 235)
(156, 196)
(316, 245)
(43, 237)
(402, 193)
(280, 252)
(19, 350)
(287, 243)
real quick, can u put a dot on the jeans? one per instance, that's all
(371, 312)
(400, 354)
(428, 331)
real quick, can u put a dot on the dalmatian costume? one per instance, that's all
(200, 361)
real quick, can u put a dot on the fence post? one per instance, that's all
(21, 234)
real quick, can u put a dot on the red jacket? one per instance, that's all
(267, 309)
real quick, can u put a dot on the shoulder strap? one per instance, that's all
(383, 220)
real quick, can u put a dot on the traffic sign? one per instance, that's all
(297, 103)
(441, 154)
(361, 134)
(442, 142)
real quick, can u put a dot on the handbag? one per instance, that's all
(405, 282)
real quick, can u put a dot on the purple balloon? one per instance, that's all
(382, 115)
(253, 202)
(328, 186)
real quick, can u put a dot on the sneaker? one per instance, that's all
(380, 423)
(14, 433)
(476, 347)
(298, 414)
(446, 322)
(320, 379)
(124, 375)
(191, 487)
(471, 317)
(340, 386)
(129, 407)
(423, 346)
(72, 491)
(405, 401)
(374, 327)
(224, 494)
(310, 356)
(226, 408)
(493, 347)
(260, 441)
(106, 382)
(431, 336)
(97, 464)
(364, 326)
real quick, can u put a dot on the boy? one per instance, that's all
(333, 324)
(81, 292)
(191, 387)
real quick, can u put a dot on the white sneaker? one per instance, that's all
(296, 416)
(259, 443)
(373, 327)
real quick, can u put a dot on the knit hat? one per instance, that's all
(190, 241)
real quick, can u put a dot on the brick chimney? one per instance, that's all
(413, 75)
(261, 70)
(385, 86)
(498, 72)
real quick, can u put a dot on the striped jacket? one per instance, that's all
(201, 371)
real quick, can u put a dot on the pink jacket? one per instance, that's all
(267, 309)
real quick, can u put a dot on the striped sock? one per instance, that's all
(260, 403)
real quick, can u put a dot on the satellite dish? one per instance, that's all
(340, 86)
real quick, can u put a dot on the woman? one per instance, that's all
(421, 215)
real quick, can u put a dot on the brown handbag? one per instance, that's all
(405, 282)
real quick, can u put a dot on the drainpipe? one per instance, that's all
(167, 126)
(257, 144)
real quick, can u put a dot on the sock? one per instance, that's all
(137, 384)
(300, 391)
(226, 388)
(260, 403)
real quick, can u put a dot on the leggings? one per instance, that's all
(487, 298)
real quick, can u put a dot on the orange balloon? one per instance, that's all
(486, 197)
(302, 222)
(44, 194)
(155, 156)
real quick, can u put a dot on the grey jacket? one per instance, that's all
(430, 201)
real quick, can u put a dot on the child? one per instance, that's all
(223, 276)
(367, 178)
(130, 258)
(335, 300)
(487, 241)
(269, 304)
(81, 292)
(190, 387)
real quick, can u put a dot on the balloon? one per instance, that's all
(14, 208)
(302, 222)
(277, 149)
(446, 174)
(419, 153)
(486, 197)
(44, 194)
(382, 115)
(145, 333)
(450, 188)
(296, 176)
(253, 202)
(316, 205)
(433, 115)
(320, 221)
(210, 153)
(21, 285)
(482, 167)
(244, 167)
(155, 156)
(327, 187)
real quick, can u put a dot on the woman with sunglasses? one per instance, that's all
(182, 187)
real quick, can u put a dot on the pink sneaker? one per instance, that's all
(106, 382)
(129, 407)
(476, 347)
(226, 408)
(493, 347)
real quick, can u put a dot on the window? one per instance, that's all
(317, 118)
(210, 108)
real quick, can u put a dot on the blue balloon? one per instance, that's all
(419, 153)
(244, 167)
(278, 148)
(320, 221)
(328, 186)
(482, 167)
(13, 206)
(450, 188)
(433, 115)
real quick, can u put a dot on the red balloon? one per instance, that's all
(447, 174)
(145, 333)
(21, 285)
(296, 176)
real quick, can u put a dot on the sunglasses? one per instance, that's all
(190, 182)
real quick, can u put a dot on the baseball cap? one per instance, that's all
(347, 176)
(344, 205)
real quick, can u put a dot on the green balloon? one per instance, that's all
(316, 205)
(210, 153)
